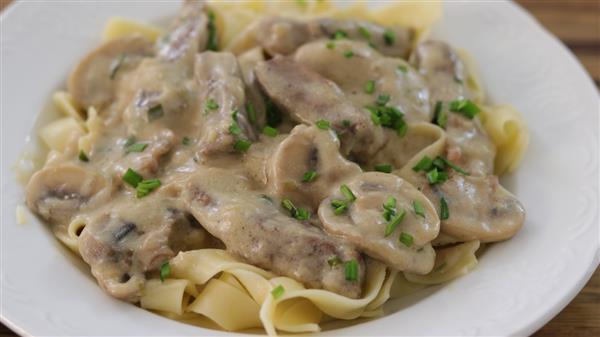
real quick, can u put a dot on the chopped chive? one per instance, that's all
(302, 214)
(186, 141)
(136, 147)
(439, 163)
(454, 167)
(440, 115)
(406, 239)
(465, 107)
(251, 113)
(330, 45)
(346, 123)
(277, 292)
(390, 203)
(351, 270)
(375, 118)
(234, 115)
(424, 164)
(418, 207)
(129, 141)
(403, 69)
(165, 271)
(364, 32)
(348, 54)
(288, 204)
(155, 112)
(242, 145)
(334, 261)
(269, 131)
(115, 65)
(339, 206)
(83, 157)
(444, 211)
(234, 128)
(382, 99)
(385, 168)
(436, 177)
(272, 114)
(309, 176)
(210, 105)
(211, 42)
(347, 192)
(132, 178)
(394, 222)
(340, 34)
(322, 124)
(144, 187)
(370, 87)
(389, 37)
(401, 128)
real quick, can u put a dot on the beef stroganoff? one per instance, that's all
(303, 161)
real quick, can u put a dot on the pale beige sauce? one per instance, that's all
(214, 195)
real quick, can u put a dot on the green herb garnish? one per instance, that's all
(242, 145)
(234, 128)
(277, 292)
(186, 141)
(165, 271)
(389, 37)
(406, 239)
(440, 116)
(425, 164)
(403, 69)
(83, 157)
(269, 131)
(418, 207)
(348, 54)
(132, 178)
(144, 187)
(136, 147)
(394, 222)
(382, 99)
(322, 124)
(364, 32)
(339, 206)
(436, 177)
(351, 270)
(334, 261)
(444, 211)
(211, 43)
(339, 34)
(370, 87)
(251, 113)
(385, 168)
(309, 176)
(465, 107)
(347, 193)
(210, 105)
(155, 112)
(330, 45)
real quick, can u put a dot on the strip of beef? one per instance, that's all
(468, 143)
(282, 36)
(123, 242)
(187, 36)
(308, 97)
(222, 103)
(256, 228)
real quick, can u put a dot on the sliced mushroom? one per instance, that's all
(282, 36)
(407, 246)
(256, 228)
(468, 143)
(57, 193)
(132, 237)
(93, 82)
(307, 97)
(187, 36)
(308, 149)
(222, 103)
(479, 208)
(405, 86)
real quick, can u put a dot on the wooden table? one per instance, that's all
(577, 24)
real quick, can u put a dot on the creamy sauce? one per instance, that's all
(189, 122)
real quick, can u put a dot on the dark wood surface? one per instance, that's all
(577, 24)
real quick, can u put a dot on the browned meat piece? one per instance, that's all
(188, 34)
(257, 229)
(307, 97)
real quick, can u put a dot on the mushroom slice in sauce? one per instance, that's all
(364, 223)
(187, 36)
(308, 97)
(95, 79)
(479, 208)
(222, 103)
(282, 36)
(57, 193)
(257, 229)
(468, 143)
(125, 240)
(406, 87)
(308, 150)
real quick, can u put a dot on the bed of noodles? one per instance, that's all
(208, 287)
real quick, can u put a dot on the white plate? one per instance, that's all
(518, 285)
